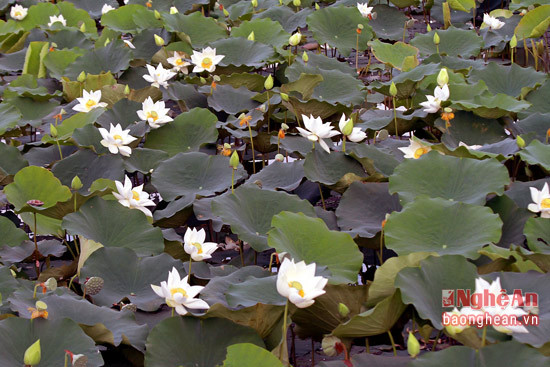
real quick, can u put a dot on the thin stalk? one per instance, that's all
(436, 339)
(289, 54)
(271, 260)
(172, 311)
(344, 144)
(76, 246)
(357, 53)
(392, 343)
(66, 360)
(367, 345)
(284, 348)
(322, 198)
(484, 336)
(59, 148)
(37, 263)
(241, 250)
(69, 248)
(512, 49)
(268, 105)
(395, 117)
(252, 147)
(382, 247)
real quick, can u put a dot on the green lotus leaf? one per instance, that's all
(534, 23)
(470, 129)
(363, 208)
(337, 27)
(32, 112)
(70, 39)
(462, 5)
(309, 239)
(129, 18)
(114, 57)
(231, 100)
(389, 22)
(67, 127)
(131, 278)
(520, 191)
(178, 176)
(395, 55)
(375, 321)
(94, 7)
(537, 232)
(18, 253)
(184, 5)
(26, 85)
(36, 183)
(11, 235)
(250, 355)
(289, 19)
(375, 159)
(250, 209)
(11, 162)
(519, 81)
(419, 287)
(55, 337)
(39, 16)
(265, 31)
(328, 169)
(187, 95)
(538, 99)
(186, 133)
(535, 122)
(144, 160)
(457, 179)
(186, 341)
(438, 225)
(10, 116)
(239, 51)
(537, 153)
(201, 30)
(113, 225)
(524, 4)
(366, 359)
(253, 291)
(57, 61)
(279, 176)
(8, 284)
(453, 42)
(513, 219)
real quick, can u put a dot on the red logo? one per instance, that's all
(447, 297)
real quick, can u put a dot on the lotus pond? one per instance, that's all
(266, 183)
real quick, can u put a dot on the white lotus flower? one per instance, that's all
(415, 150)
(106, 8)
(179, 62)
(356, 135)
(89, 101)
(133, 198)
(18, 12)
(492, 22)
(315, 130)
(433, 104)
(154, 113)
(195, 246)
(298, 283)
(179, 294)
(129, 44)
(205, 60)
(158, 77)
(57, 19)
(116, 140)
(365, 10)
(471, 147)
(541, 201)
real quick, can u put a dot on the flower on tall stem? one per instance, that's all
(316, 130)
(133, 198)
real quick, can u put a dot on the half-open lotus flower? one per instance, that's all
(178, 62)
(18, 12)
(154, 113)
(298, 283)
(116, 140)
(492, 22)
(89, 101)
(106, 8)
(57, 19)
(179, 294)
(133, 198)
(541, 201)
(195, 246)
(158, 77)
(365, 10)
(433, 104)
(356, 134)
(415, 150)
(316, 130)
(205, 60)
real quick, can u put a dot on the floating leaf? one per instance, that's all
(200, 29)
(250, 355)
(395, 55)
(534, 23)
(11, 235)
(265, 31)
(537, 232)
(328, 169)
(537, 153)
(453, 42)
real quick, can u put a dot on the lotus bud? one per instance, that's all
(13, 274)
(436, 39)
(393, 89)
(127, 90)
(83, 28)
(62, 112)
(53, 131)
(251, 36)
(317, 7)
(262, 108)
(343, 310)
(428, 28)
(225, 12)
(279, 157)
(443, 77)
(295, 39)
(159, 41)
(157, 14)
(332, 345)
(81, 77)
(234, 160)
(41, 306)
(280, 2)
(347, 130)
(254, 3)
(305, 57)
(202, 80)
(520, 142)
(284, 97)
(268, 84)
(76, 184)
(513, 41)
(107, 41)
(296, 3)
(174, 10)
(51, 283)
(33, 354)
(413, 346)
(284, 126)
(216, 78)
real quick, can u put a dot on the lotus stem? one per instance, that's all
(395, 118)
(344, 144)
(436, 339)
(252, 147)
(233, 181)
(284, 348)
(37, 262)
(59, 148)
(382, 247)
(268, 105)
(172, 312)
(357, 53)
(241, 250)
(322, 198)
(484, 336)
(271, 260)
(367, 345)
(392, 343)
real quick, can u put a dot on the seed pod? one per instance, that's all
(93, 285)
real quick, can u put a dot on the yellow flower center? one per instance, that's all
(198, 246)
(206, 63)
(178, 290)
(420, 151)
(117, 137)
(545, 204)
(18, 13)
(135, 195)
(153, 115)
(90, 103)
(179, 62)
(298, 286)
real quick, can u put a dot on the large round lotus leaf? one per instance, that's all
(11, 162)
(250, 355)
(289, 19)
(56, 336)
(518, 80)
(32, 111)
(19, 253)
(240, 51)
(279, 175)
(513, 219)
(9, 117)
(144, 160)
(179, 175)
(126, 275)
(113, 225)
(389, 22)
(537, 231)
(265, 31)
(459, 179)
(186, 133)
(114, 57)
(537, 123)
(39, 15)
(250, 209)
(129, 18)
(442, 226)
(337, 27)
(537, 153)
(485, 104)
(328, 169)
(422, 285)
(123, 112)
(232, 100)
(57, 61)
(36, 183)
(316, 63)
(377, 320)
(200, 29)
(381, 160)
(309, 239)
(398, 55)
(93, 7)
(186, 341)
(471, 129)
(66, 129)
(539, 100)
(534, 23)
(11, 235)
(454, 42)
(253, 291)
(186, 95)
